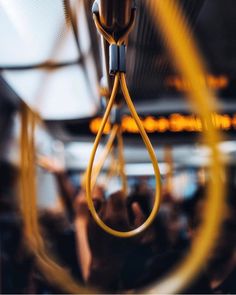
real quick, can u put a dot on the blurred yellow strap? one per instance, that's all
(169, 20)
(56, 275)
(107, 150)
(115, 133)
(103, 157)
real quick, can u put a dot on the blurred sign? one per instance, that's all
(212, 81)
(172, 123)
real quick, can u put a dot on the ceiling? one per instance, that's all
(43, 61)
(213, 25)
(152, 79)
(51, 57)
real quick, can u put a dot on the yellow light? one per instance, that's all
(162, 125)
(212, 81)
(128, 125)
(222, 121)
(173, 123)
(150, 124)
(95, 124)
(233, 121)
(177, 122)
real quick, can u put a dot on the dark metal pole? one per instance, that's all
(114, 16)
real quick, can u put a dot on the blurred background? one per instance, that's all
(53, 59)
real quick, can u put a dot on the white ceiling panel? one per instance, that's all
(31, 30)
(66, 95)
(60, 94)
(35, 31)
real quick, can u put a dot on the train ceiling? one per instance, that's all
(50, 56)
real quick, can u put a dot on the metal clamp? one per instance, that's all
(117, 59)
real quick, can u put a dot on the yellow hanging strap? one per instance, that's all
(120, 79)
(56, 275)
(116, 132)
(107, 149)
(169, 20)
(105, 154)
(117, 165)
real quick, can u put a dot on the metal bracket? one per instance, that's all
(117, 59)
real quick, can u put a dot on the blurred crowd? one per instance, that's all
(93, 257)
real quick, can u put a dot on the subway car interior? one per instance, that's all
(118, 146)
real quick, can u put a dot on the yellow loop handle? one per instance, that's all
(115, 132)
(121, 78)
(103, 157)
(170, 21)
(163, 11)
